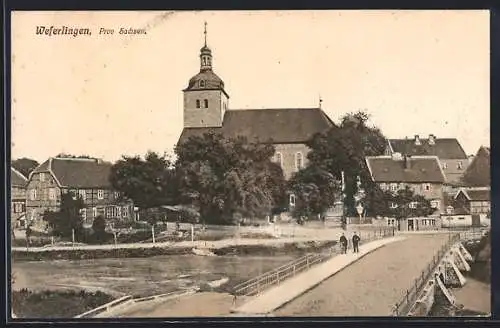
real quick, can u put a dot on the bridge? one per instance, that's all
(392, 275)
(396, 278)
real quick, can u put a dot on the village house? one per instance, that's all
(422, 174)
(84, 177)
(18, 198)
(451, 155)
(206, 110)
(468, 208)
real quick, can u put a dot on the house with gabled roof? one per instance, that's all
(422, 174)
(206, 110)
(18, 184)
(84, 177)
(468, 208)
(449, 151)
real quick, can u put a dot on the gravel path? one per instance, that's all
(372, 285)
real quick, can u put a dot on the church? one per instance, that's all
(207, 110)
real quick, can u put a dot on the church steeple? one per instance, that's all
(205, 54)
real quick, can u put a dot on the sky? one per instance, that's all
(414, 72)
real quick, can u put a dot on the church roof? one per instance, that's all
(279, 125)
(205, 80)
(420, 169)
(443, 148)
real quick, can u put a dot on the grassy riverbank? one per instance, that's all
(55, 304)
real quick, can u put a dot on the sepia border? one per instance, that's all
(181, 5)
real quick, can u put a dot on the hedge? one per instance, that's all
(264, 250)
(82, 254)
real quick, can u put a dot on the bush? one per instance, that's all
(56, 304)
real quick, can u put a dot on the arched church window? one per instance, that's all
(206, 103)
(198, 103)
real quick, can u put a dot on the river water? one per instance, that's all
(143, 276)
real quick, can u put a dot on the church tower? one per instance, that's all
(205, 100)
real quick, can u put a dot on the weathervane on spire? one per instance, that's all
(205, 32)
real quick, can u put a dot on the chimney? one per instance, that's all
(417, 139)
(432, 139)
(406, 160)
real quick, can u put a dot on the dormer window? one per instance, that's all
(202, 84)
(459, 165)
(198, 103)
(445, 166)
(205, 102)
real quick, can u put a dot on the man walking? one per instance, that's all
(343, 243)
(355, 243)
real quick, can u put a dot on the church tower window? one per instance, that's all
(206, 103)
(202, 84)
(198, 105)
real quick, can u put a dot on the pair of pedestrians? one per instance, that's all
(355, 243)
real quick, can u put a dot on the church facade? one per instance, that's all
(207, 110)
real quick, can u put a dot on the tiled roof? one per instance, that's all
(478, 172)
(443, 148)
(284, 125)
(77, 172)
(421, 169)
(17, 179)
(476, 194)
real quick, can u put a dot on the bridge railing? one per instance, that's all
(266, 280)
(256, 285)
(403, 307)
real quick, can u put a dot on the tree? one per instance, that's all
(228, 178)
(99, 230)
(315, 190)
(68, 218)
(148, 182)
(64, 155)
(25, 165)
(344, 148)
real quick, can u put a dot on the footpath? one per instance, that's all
(183, 244)
(288, 290)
